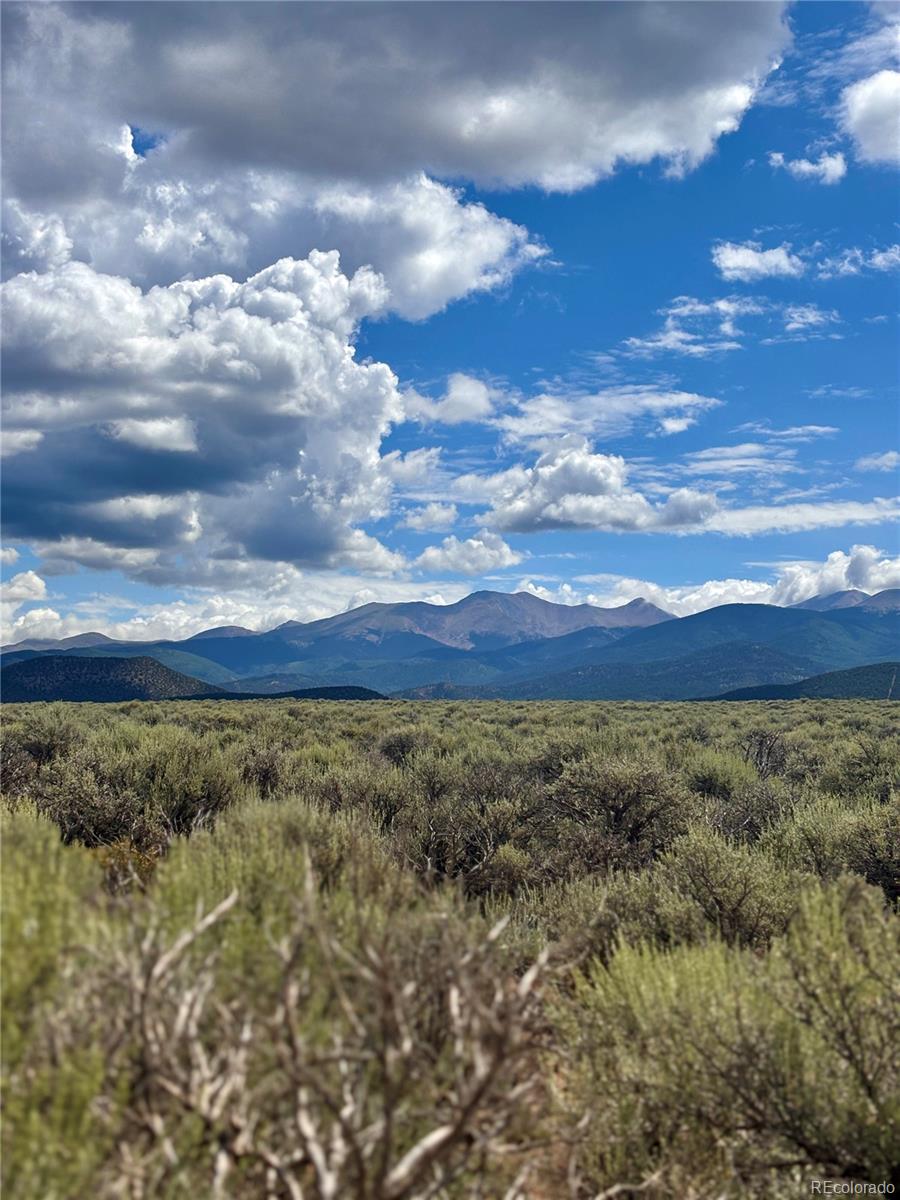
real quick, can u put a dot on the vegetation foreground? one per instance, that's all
(389, 951)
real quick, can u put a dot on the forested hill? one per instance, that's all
(880, 681)
(56, 677)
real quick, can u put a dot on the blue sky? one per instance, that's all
(621, 287)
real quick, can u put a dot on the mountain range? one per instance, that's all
(517, 646)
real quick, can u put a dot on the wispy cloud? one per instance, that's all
(855, 261)
(888, 460)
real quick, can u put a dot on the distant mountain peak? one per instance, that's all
(222, 631)
(641, 603)
(68, 643)
(827, 601)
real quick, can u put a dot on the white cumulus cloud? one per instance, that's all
(160, 433)
(466, 399)
(431, 517)
(871, 116)
(275, 131)
(485, 551)
(827, 168)
(269, 427)
(748, 261)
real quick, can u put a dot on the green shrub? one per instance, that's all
(718, 1072)
(52, 907)
(718, 773)
(746, 895)
(611, 813)
(828, 838)
(752, 809)
(135, 784)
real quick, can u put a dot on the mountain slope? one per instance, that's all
(832, 600)
(686, 678)
(178, 660)
(876, 682)
(60, 677)
(883, 602)
(830, 641)
(222, 631)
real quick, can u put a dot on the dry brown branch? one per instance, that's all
(374, 1072)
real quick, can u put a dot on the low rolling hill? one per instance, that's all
(98, 679)
(108, 680)
(876, 682)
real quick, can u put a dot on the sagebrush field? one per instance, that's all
(380, 951)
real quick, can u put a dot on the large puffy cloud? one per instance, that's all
(275, 129)
(33, 240)
(26, 588)
(476, 555)
(431, 517)
(164, 219)
(497, 94)
(572, 487)
(871, 116)
(209, 420)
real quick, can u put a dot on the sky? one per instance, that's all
(309, 305)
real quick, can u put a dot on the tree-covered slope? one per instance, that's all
(59, 677)
(879, 681)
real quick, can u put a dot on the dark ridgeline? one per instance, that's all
(110, 680)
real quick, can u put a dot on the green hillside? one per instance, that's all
(876, 682)
(71, 677)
